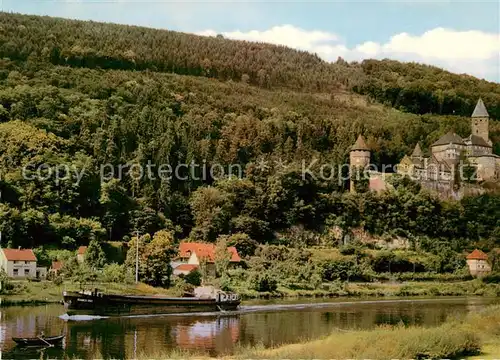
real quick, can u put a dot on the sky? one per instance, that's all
(460, 36)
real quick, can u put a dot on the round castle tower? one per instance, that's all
(359, 157)
(360, 153)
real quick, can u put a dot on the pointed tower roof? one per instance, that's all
(417, 152)
(480, 109)
(360, 144)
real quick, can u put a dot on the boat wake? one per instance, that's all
(245, 309)
(67, 317)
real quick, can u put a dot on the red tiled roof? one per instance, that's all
(204, 250)
(186, 267)
(56, 265)
(234, 254)
(477, 255)
(82, 250)
(19, 254)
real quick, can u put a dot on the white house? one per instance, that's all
(477, 261)
(19, 263)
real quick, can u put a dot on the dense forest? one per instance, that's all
(77, 98)
(409, 87)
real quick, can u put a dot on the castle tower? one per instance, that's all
(359, 158)
(480, 121)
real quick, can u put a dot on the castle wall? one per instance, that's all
(475, 150)
(448, 151)
(486, 167)
(443, 188)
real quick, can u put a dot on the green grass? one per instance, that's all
(446, 341)
(35, 293)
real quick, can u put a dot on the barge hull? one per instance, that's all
(116, 305)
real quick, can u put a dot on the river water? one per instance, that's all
(260, 322)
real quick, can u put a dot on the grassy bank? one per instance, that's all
(424, 288)
(443, 342)
(43, 292)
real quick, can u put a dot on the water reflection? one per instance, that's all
(215, 335)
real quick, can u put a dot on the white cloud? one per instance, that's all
(287, 35)
(473, 52)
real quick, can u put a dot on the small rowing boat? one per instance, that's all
(39, 341)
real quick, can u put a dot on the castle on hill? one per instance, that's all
(447, 156)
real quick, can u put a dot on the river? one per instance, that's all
(259, 322)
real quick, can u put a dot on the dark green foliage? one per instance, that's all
(4, 282)
(262, 281)
(193, 278)
(245, 245)
(404, 182)
(95, 257)
(342, 270)
(491, 278)
(446, 251)
(425, 89)
(391, 263)
(133, 48)
(115, 252)
(42, 257)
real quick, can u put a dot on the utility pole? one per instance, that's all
(0, 229)
(137, 257)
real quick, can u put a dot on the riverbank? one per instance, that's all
(38, 293)
(474, 287)
(474, 335)
(24, 293)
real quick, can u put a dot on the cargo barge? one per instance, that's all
(100, 304)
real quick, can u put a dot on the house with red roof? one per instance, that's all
(184, 269)
(18, 263)
(192, 254)
(80, 254)
(56, 267)
(477, 261)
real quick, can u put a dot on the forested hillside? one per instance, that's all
(89, 95)
(408, 87)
